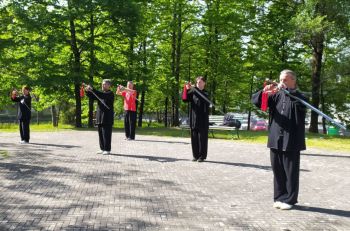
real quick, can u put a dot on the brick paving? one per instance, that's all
(58, 182)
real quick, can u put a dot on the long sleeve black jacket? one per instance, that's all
(104, 116)
(286, 120)
(25, 105)
(199, 112)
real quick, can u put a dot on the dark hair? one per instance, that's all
(200, 78)
(108, 81)
(25, 87)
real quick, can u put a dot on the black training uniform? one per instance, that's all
(104, 117)
(199, 123)
(24, 115)
(286, 139)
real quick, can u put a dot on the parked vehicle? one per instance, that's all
(259, 125)
(231, 121)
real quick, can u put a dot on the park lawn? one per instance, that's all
(43, 127)
(337, 143)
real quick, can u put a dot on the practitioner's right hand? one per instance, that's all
(188, 85)
(271, 88)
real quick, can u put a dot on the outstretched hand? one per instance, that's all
(88, 88)
(188, 85)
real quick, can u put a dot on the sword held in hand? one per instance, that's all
(89, 89)
(307, 105)
(211, 104)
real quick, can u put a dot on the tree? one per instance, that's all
(318, 22)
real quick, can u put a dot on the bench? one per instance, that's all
(216, 122)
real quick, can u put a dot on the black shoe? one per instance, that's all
(200, 160)
(194, 159)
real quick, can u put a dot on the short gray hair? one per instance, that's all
(290, 73)
(108, 81)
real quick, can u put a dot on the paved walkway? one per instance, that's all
(58, 183)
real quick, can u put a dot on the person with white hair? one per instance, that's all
(104, 114)
(286, 136)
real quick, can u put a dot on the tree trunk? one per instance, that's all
(177, 66)
(166, 112)
(173, 59)
(75, 71)
(54, 116)
(142, 104)
(317, 45)
(131, 58)
(250, 96)
(143, 91)
(323, 106)
(92, 69)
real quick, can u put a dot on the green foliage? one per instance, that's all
(234, 44)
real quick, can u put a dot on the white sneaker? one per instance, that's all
(285, 206)
(106, 152)
(277, 204)
(23, 142)
(99, 152)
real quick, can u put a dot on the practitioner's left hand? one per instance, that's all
(88, 88)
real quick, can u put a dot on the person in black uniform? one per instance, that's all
(104, 115)
(286, 136)
(199, 119)
(24, 112)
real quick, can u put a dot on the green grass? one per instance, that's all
(43, 127)
(338, 143)
(4, 153)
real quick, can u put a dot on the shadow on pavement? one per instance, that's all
(322, 155)
(240, 165)
(246, 165)
(336, 212)
(151, 158)
(56, 145)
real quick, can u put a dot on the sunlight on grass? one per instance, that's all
(45, 127)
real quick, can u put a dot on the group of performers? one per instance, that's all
(286, 131)
(105, 112)
(286, 136)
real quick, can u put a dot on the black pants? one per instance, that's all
(105, 136)
(24, 130)
(199, 142)
(130, 124)
(286, 168)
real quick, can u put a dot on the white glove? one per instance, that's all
(22, 101)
